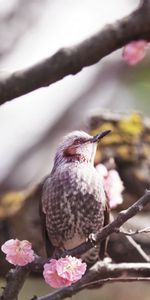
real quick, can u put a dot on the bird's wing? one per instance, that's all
(103, 244)
(48, 245)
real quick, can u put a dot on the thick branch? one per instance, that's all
(18, 276)
(99, 274)
(15, 280)
(71, 60)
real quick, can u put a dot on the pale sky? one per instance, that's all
(62, 23)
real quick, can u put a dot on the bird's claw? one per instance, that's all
(92, 239)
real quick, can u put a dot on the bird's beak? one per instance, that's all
(99, 136)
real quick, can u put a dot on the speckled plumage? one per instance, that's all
(73, 199)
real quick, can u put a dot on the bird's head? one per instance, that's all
(78, 146)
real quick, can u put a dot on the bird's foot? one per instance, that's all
(92, 239)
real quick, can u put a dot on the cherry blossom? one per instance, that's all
(18, 252)
(64, 271)
(113, 185)
(134, 52)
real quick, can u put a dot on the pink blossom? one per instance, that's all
(113, 185)
(18, 252)
(134, 52)
(64, 271)
(71, 268)
(51, 276)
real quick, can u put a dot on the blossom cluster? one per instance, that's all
(57, 273)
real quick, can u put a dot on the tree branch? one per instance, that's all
(98, 283)
(138, 248)
(15, 280)
(136, 245)
(99, 274)
(18, 275)
(132, 232)
(71, 60)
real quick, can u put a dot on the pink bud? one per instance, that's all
(134, 52)
(18, 252)
(64, 271)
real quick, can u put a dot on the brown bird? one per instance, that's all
(73, 204)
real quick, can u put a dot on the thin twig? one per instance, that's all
(98, 283)
(132, 232)
(129, 235)
(138, 248)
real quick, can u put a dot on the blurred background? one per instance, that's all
(31, 126)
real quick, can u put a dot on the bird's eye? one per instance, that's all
(78, 141)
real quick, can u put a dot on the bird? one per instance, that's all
(73, 203)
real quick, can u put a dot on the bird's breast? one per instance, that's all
(74, 202)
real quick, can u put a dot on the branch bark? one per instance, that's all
(131, 232)
(99, 274)
(15, 280)
(138, 248)
(18, 276)
(71, 60)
